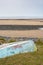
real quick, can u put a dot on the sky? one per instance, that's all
(21, 8)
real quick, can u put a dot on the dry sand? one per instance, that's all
(27, 33)
(21, 22)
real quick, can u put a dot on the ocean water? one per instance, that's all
(28, 46)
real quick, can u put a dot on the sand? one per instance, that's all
(25, 33)
(20, 22)
(22, 33)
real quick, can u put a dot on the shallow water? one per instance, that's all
(28, 46)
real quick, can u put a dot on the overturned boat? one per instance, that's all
(10, 49)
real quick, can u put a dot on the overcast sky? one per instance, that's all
(21, 8)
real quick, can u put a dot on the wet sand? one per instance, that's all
(20, 27)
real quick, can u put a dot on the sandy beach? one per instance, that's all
(22, 33)
(21, 22)
(26, 33)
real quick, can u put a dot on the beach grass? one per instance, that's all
(33, 58)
